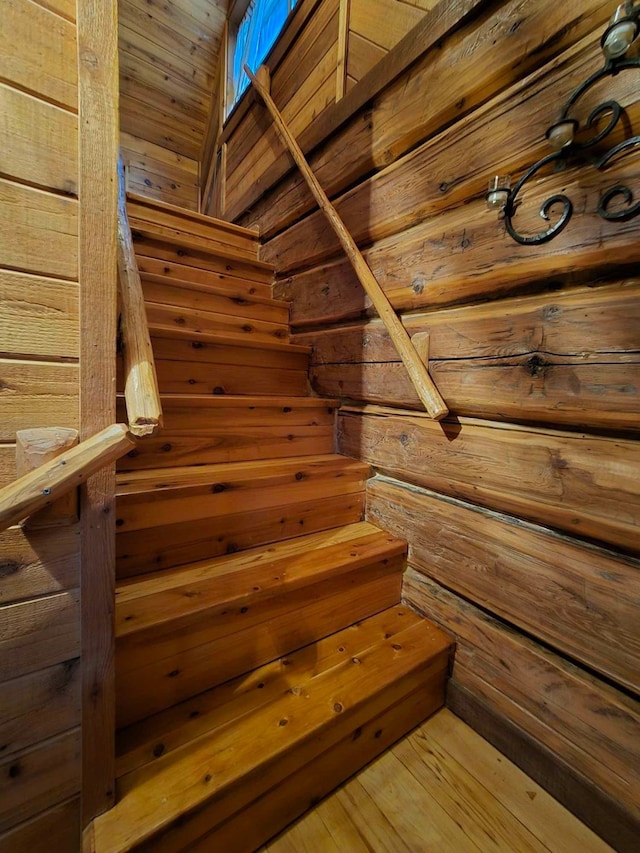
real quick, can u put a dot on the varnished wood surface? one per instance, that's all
(340, 684)
(168, 54)
(443, 787)
(40, 677)
(546, 357)
(98, 154)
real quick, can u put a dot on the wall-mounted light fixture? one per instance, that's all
(616, 40)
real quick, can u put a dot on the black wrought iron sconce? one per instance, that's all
(616, 41)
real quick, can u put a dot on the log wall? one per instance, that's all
(521, 509)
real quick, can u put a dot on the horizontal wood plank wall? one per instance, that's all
(375, 26)
(40, 679)
(168, 54)
(521, 510)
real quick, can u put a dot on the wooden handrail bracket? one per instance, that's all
(418, 373)
(49, 482)
(144, 410)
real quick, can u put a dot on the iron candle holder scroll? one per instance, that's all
(616, 40)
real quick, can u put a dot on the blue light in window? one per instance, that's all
(258, 30)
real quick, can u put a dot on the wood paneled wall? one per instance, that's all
(374, 27)
(521, 509)
(57, 276)
(40, 677)
(168, 55)
(326, 47)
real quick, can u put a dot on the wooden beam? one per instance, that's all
(422, 382)
(144, 409)
(36, 447)
(98, 156)
(40, 488)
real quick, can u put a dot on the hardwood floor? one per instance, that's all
(441, 788)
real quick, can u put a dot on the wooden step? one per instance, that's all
(220, 299)
(182, 631)
(220, 283)
(226, 363)
(161, 218)
(176, 544)
(207, 429)
(162, 505)
(228, 769)
(196, 321)
(149, 498)
(151, 245)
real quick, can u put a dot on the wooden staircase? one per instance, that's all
(262, 653)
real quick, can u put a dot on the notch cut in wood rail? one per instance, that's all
(142, 396)
(55, 478)
(36, 447)
(418, 372)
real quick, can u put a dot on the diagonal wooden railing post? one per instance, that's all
(144, 410)
(418, 373)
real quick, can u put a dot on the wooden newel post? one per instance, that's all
(57, 467)
(415, 367)
(36, 447)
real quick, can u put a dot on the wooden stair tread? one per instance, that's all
(226, 339)
(200, 321)
(205, 260)
(192, 215)
(152, 480)
(316, 696)
(231, 290)
(246, 578)
(191, 277)
(224, 401)
(221, 705)
(182, 240)
(168, 496)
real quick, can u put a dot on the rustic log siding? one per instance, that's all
(522, 509)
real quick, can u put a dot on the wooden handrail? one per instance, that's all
(144, 410)
(417, 370)
(44, 485)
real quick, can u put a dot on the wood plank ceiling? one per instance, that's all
(168, 55)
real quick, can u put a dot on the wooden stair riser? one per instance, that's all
(196, 367)
(224, 429)
(224, 446)
(219, 622)
(177, 544)
(185, 794)
(230, 490)
(267, 815)
(142, 742)
(182, 294)
(159, 684)
(196, 321)
(244, 580)
(179, 377)
(205, 351)
(227, 265)
(181, 275)
(185, 241)
(193, 225)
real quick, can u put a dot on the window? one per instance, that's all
(257, 31)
